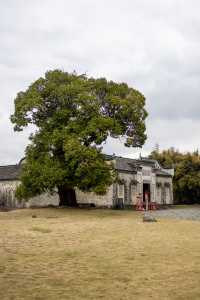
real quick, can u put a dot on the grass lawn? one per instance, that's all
(97, 254)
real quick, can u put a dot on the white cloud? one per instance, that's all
(150, 44)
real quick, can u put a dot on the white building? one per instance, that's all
(136, 178)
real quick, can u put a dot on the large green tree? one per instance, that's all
(187, 173)
(74, 115)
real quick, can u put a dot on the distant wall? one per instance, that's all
(164, 193)
(43, 200)
(97, 200)
(130, 189)
(7, 194)
(8, 199)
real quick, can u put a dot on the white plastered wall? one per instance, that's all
(97, 200)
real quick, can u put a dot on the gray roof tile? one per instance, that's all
(10, 172)
(126, 164)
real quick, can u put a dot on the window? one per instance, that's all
(167, 195)
(134, 193)
(133, 188)
(120, 191)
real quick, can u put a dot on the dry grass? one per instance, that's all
(97, 254)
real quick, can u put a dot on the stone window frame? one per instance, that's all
(120, 190)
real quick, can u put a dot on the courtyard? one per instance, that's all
(57, 253)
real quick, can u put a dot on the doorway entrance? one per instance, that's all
(146, 191)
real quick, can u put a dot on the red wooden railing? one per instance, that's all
(141, 206)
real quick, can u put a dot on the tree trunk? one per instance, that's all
(67, 196)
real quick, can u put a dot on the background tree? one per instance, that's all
(74, 115)
(187, 173)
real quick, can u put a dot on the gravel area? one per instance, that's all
(188, 213)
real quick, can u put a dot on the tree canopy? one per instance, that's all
(187, 173)
(74, 115)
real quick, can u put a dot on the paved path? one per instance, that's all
(189, 213)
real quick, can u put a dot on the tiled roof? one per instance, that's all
(131, 165)
(10, 172)
(161, 172)
(126, 164)
(149, 162)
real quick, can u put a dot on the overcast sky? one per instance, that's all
(152, 45)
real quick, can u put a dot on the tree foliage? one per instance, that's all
(74, 115)
(187, 173)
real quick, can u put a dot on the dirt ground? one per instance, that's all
(97, 254)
